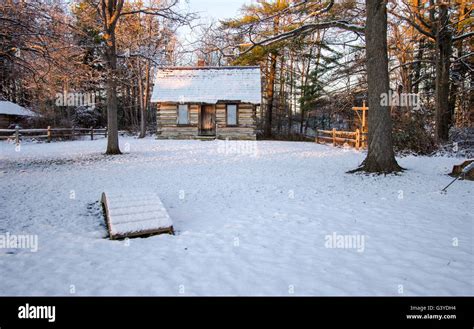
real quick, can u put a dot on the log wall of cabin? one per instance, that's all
(167, 118)
(167, 127)
(4, 121)
(246, 119)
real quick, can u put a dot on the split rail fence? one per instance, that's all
(49, 133)
(354, 138)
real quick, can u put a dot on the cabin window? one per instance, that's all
(232, 113)
(183, 114)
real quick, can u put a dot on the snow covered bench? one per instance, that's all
(133, 214)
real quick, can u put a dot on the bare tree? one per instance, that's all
(110, 12)
(380, 156)
(432, 19)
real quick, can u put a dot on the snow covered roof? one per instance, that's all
(10, 108)
(208, 84)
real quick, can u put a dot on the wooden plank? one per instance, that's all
(135, 213)
(167, 122)
(167, 109)
(337, 139)
(166, 117)
(29, 131)
(237, 128)
(337, 132)
(168, 106)
(61, 129)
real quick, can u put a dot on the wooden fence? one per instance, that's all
(49, 133)
(356, 138)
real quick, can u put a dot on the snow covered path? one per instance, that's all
(245, 224)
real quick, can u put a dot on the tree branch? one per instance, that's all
(304, 29)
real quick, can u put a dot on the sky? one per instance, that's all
(217, 9)
(208, 11)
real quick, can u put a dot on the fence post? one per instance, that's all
(17, 134)
(105, 134)
(357, 144)
(317, 136)
(92, 133)
(73, 131)
(49, 134)
(334, 136)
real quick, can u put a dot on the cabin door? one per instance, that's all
(207, 125)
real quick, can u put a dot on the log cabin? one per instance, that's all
(207, 102)
(12, 114)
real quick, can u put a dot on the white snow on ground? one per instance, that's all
(245, 224)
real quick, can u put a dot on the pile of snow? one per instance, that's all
(283, 220)
(10, 108)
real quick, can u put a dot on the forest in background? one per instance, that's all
(59, 47)
(314, 65)
(312, 56)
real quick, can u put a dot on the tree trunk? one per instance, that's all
(291, 97)
(455, 88)
(112, 121)
(133, 104)
(444, 49)
(140, 101)
(66, 99)
(417, 66)
(304, 80)
(303, 72)
(269, 94)
(271, 81)
(281, 98)
(145, 104)
(380, 156)
(127, 103)
(110, 12)
(459, 98)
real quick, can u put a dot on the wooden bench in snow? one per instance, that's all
(130, 214)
